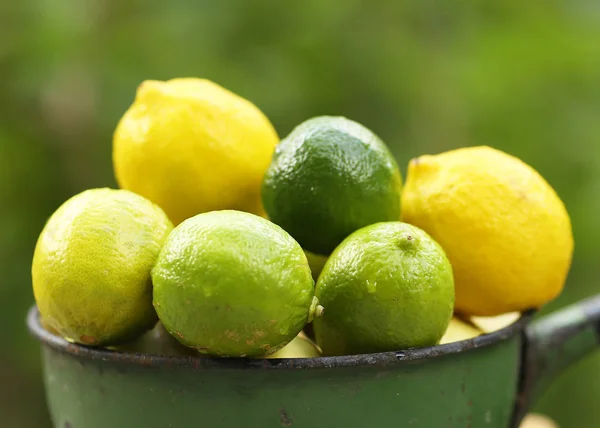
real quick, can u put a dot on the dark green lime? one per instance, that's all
(329, 177)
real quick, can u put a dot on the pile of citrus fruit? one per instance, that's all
(224, 240)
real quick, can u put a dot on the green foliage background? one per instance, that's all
(426, 76)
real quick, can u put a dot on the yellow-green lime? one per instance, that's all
(386, 287)
(329, 177)
(91, 266)
(229, 283)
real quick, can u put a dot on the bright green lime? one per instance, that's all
(229, 283)
(328, 178)
(388, 286)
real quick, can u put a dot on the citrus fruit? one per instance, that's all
(495, 323)
(229, 283)
(329, 177)
(157, 341)
(91, 266)
(386, 287)
(299, 347)
(459, 330)
(316, 263)
(48, 327)
(191, 146)
(537, 420)
(504, 229)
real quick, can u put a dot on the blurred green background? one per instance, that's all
(426, 76)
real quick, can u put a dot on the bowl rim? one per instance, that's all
(61, 345)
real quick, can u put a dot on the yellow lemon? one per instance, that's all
(506, 232)
(536, 420)
(459, 330)
(300, 347)
(498, 322)
(191, 146)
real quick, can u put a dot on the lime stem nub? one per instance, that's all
(319, 311)
(315, 309)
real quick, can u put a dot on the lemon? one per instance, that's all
(495, 323)
(329, 177)
(504, 229)
(537, 420)
(230, 283)
(191, 146)
(300, 347)
(386, 287)
(459, 330)
(91, 266)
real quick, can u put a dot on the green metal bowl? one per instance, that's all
(488, 381)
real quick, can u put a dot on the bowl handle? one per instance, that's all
(553, 343)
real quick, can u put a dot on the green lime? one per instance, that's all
(329, 177)
(91, 266)
(157, 341)
(388, 286)
(229, 283)
(316, 263)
